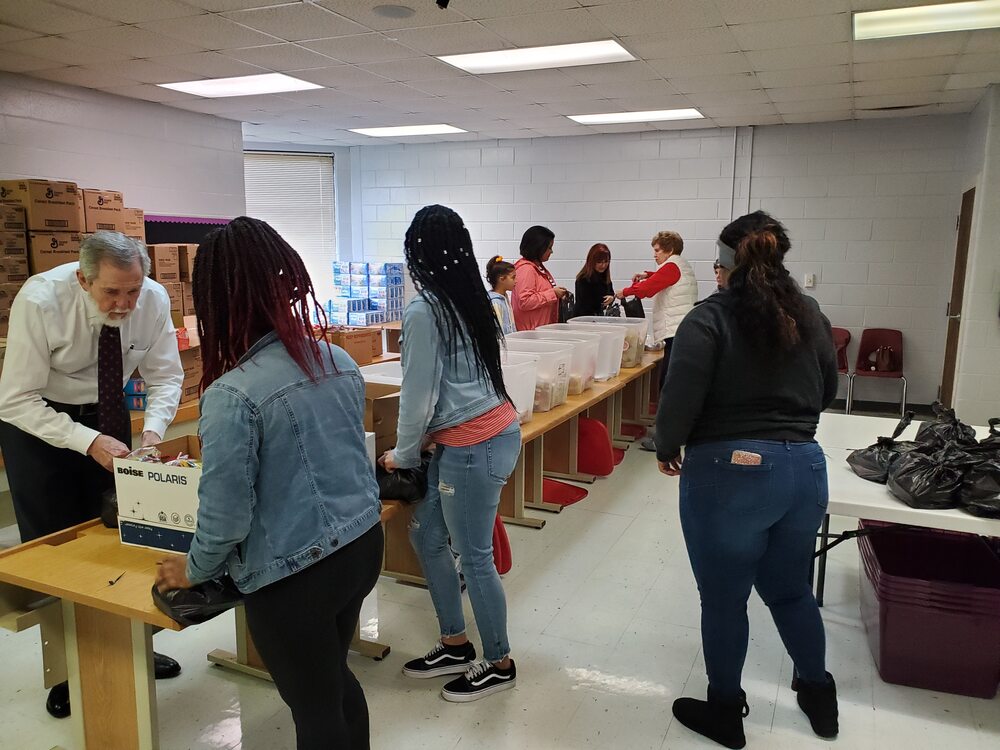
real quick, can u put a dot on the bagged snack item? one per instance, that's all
(980, 493)
(930, 481)
(544, 389)
(872, 463)
(632, 351)
(946, 428)
(578, 383)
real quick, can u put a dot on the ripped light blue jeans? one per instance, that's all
(463, 492)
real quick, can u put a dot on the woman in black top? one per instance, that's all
(750, 371)
(593, 284)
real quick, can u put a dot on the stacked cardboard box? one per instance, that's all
(103, 210)
(191, 362)
(13, 259)
(53, 220)
(366, 293)
(164, 263)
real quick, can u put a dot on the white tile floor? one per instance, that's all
(603, 622)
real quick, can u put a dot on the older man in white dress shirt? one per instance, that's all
(76, 334)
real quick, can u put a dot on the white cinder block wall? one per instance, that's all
(871, 208)
(165, 160)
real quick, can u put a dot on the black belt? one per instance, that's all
(76, 411)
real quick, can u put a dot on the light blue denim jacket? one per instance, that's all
(442, 386)
(286, 478)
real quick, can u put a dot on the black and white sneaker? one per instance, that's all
(482, 680)
(442, 660)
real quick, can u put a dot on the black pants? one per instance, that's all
(52, 488)
(302, 626)
(668, 344)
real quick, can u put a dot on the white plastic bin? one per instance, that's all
(611, 340)
(583, 366)
(387, 373)
(520, 371)
(635, 336)
(554, 357)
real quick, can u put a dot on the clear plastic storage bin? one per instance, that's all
(519, 373)
(554, 357)
(387, 373)
(583, 366)
(635, 336)
(611, 341)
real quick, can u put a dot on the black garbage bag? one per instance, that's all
(980, 493)
(200, 603)
(872, 463)
(989, 446)
(405, 485)
(109, 508)
(930, 481)
(946, 428)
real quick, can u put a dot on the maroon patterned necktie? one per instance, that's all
(112, 418)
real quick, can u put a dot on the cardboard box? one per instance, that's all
(369, 318)
(187, 298)
(9, 291)
(134, 223)
(386, 268)
(13, 269)
(46, 250)
(358, 292)
(341, 267)
(175, 292)
(12, 219)
(337, 319)
(103, 210)
(13, 244)
(356, 342)
(191, 362)
(190, 392)
(135, 387)
(348, 305)
(4, 324)
(135, 403)
(48, 205)
(157, 504)
(358, 267)
(185, 260)
(377, 343)
(382, 414)
(164, 263)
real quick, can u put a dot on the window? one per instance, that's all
(294, 194)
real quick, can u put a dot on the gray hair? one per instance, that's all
(113, 247)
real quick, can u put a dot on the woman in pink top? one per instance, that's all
(535, 298)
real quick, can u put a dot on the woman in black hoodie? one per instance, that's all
(594, 291)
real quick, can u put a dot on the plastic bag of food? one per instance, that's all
(149, 454)
(980, 493)
(200, 603)
(930, 481)
(989, 446)
(872, 463)
(632, 351)
(946, 428)
(544, 397)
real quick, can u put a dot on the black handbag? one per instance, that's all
(109, 508)
(633, 308)
(405, 485)
(200, 603)
(566, 305)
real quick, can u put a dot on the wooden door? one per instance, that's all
(954, 311)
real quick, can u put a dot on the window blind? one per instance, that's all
(294, 194)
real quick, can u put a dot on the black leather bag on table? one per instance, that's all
(200, 603)
(405, 485)
(633, 308)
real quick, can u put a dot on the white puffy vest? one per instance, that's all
(673, 303)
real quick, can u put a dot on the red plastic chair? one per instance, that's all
(871, 340)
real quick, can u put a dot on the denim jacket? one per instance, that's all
(442, 385)
(286, 479)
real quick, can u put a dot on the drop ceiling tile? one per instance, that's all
(702, 65)
(804, 77)
(64, 51)
(554, 27)
(716, 111)
(134, 11)
(576, 93)
(362, 11)
(420, 69)
(527, 79)
(756, 96)
(791, 118)
(209, 65)
(827, 29)
(385, 93)
(11, 34)
(462, 86)
(978, 62)
(584, 107)
(904, 68)
(899, 85)
(809, 93)
(295, 23)
(668, 45)
(479, 9)
(210, 31)
(645, 103)
(561, 130)
(150, 93)
(902, 48)
(338, 75)
(972, 80)
(86, 77)
(814, 105)
(221, 6)
(857, 5)
(704, 84)
(915, 99)
(750, 11)
(735, 121)
(637, 89)
(18, 62)
(146, 71)
(984, 40)
(656, 16)
(451, 39)
(637, 70)
(336, 102)
(48, 18)
(280, 57)
(362, 48)
(134, 41)
(791, 58)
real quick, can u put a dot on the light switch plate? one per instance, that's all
(810, 281)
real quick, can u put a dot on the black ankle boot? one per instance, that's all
(720, 721)
(818, 701)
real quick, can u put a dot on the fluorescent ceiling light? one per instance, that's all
(927, 19)
(536, 58)
(402, 130)
(267, 83)
(658, 115)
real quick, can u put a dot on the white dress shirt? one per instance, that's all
(52, 354)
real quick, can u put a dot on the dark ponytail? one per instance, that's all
(771, 310)
(496, 269)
